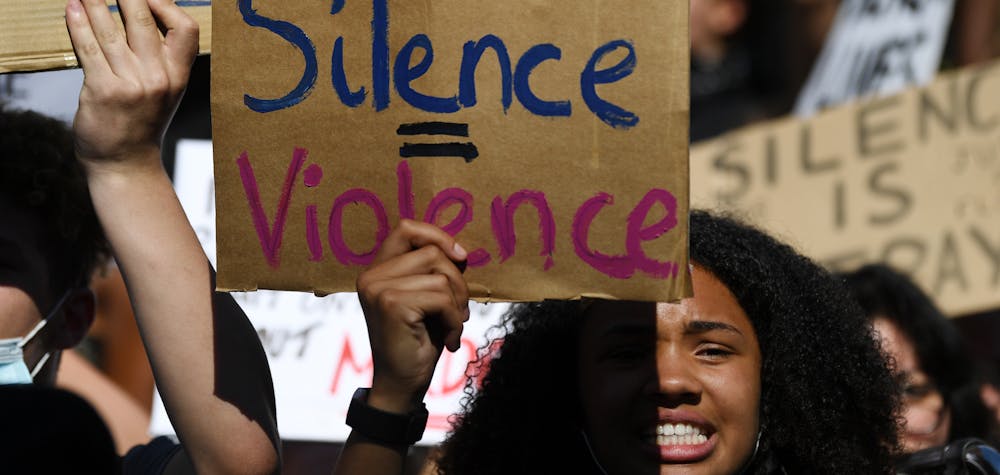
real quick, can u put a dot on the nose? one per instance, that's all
(678, 381)
(923, 412)
(925, 416)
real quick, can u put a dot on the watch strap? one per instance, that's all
(382, 426)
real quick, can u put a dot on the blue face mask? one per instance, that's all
(13, 370)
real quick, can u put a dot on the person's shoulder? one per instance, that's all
(40, 421)
(151, 458)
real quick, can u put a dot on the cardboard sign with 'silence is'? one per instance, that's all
(549, 137)
(911, 180)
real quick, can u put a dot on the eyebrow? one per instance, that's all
(629, 329)
(703, 326)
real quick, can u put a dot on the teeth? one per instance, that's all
(679, 434)
(681, 439)
(677, 429)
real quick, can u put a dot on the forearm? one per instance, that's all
(361, 456)
(411, 319)
(133, 80)
(169, 283)
(364, 456)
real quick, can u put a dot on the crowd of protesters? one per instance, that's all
(774, 365)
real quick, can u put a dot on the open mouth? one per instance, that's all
(685, 442)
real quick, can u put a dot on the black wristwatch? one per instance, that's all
(385, 427)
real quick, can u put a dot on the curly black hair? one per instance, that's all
(828, 402)
(884, 292)
(39, 172)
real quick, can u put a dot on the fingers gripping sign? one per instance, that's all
(133, 79)
(415, 301)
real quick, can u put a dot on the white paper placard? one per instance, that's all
(877, 48)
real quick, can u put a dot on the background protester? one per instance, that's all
(974, 34)
(208, 363)
(737, 64)
(126, 419)
(990, 393)
(941, 394)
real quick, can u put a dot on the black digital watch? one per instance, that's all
(385, 427)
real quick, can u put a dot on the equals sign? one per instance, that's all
(465, 150)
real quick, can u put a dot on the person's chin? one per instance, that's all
(915, 443)
(679, 457)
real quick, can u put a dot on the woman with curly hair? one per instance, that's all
(941, 401)
(768, 368)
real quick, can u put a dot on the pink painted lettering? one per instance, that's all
(502, 217)
(312, 176)
(619, 267)
(442, 201)
(458, 206)
(336, 228)
(455, 197)
(478, 258)
(404, 191)
(637, 234)
(270, 237)
(312, 235)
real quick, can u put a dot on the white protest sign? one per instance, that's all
(877, 47)
(317, 347)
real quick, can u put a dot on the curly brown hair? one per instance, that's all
(828, 402)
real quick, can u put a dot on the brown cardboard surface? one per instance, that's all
(568, 159)
(33, 34)
(911, 179)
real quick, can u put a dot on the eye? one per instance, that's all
(626, 354)
(714, 352)
(917, 391)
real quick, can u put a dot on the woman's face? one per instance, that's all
(671, 388)
(925, 417)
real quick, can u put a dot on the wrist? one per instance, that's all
(382, 427)
(115, 177)
(141, 161)
(394, 400)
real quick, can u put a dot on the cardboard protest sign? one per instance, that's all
(877, 47)
(317, 348)
(912, 180)
(33, 34)
(549, 137)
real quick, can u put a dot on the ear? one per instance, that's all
(77, 315)
(728, 16)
